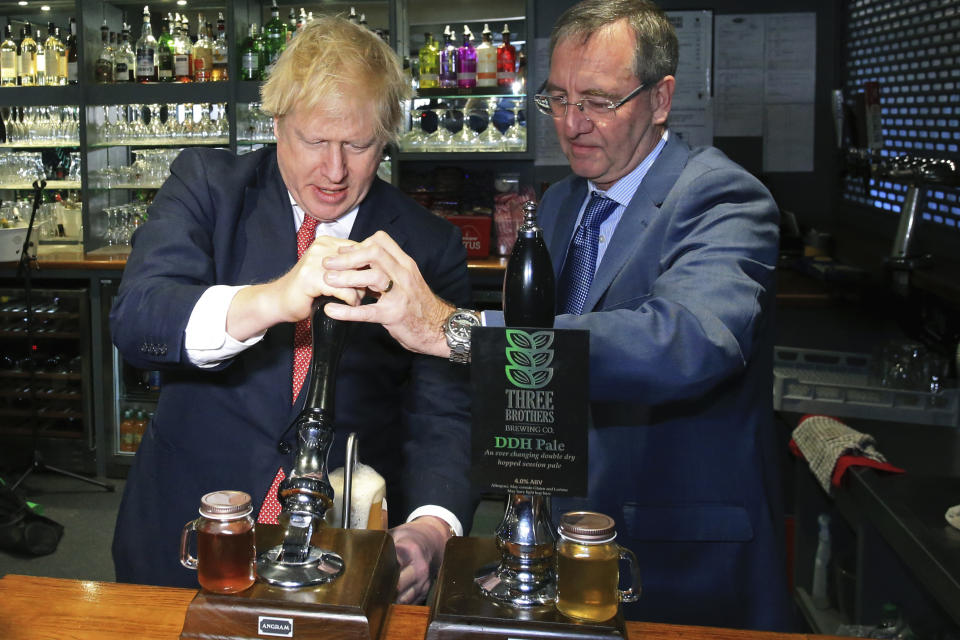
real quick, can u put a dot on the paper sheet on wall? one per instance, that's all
(764, 60)
(691, 115)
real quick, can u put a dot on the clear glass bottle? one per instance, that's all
(28, 58)
(203, 52)
(466, 62)
(429, 56)
(182, 51)
(486, 60)
(146, 51)
(226, 548)
(506, 60)
(220, 52)
(448, 61)
(8, 59)
(41, 78)
(124, 59)
(588, 567)
(103, 69)
(53, 51)
(165, 52)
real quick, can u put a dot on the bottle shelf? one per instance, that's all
(474, 92)
(59, 144)
(158, 92)
(162, 142)
(251, 141)
(39, 96)
(51, 184)
(127, 185)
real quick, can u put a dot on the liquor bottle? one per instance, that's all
(146, 51)
(466, 62)
(251, 56)
(486, 60)
(352, 17)
(73, 60)
(363, 20)
(41, 78)
(182, 52)
(103, 69)
(274, 36)
(124, 59)
(220, 52)
(63, 70)
(429, 59)
(8, 59)
(53, 51)
(506, 60)
(291, 23)
(203, 52)
(302, 20)
(448, 61)
(165, 51)
(529, 288)
(28, 58)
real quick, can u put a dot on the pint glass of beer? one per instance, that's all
(368, 499)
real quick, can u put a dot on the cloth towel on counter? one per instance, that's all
(830, 448)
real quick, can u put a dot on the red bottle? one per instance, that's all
(506, 60)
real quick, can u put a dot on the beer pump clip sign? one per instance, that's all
(530, 410)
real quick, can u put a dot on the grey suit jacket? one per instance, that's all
(682, 449)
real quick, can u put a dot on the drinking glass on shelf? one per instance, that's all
(416, 137)
(515, 137)
(491, 139)
(466, 138)
(440, 139)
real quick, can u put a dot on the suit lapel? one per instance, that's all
(376, 214)
(638, 215)
(559, 240)
(272, 232)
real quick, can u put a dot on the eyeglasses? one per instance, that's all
(556, 106)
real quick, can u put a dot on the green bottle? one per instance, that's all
(429, 63)
(165, 53)
(274, 35)
(251, 56)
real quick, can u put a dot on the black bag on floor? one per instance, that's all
(23, 531)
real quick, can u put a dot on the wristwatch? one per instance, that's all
(456, 329)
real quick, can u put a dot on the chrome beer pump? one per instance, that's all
(306, 494)
(525, 575)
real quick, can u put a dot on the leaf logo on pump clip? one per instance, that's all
(530, 357)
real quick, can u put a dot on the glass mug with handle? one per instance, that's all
(226, 549)
(588, 567)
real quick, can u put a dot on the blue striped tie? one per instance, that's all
(581, 262)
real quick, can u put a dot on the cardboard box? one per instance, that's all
(11, 242)
(476, 234)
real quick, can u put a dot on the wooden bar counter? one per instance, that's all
(34, 608)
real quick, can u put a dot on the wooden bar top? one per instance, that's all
(34, 608)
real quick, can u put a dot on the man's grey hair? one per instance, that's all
(657, 48)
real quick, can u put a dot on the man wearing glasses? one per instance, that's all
(666, 255)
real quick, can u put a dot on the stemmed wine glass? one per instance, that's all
(439, 140)
(491, 139)
(466, 138)
(515, 137)
(416, 137)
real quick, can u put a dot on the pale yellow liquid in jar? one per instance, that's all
(587, 580)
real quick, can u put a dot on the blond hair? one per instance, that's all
(332, 59)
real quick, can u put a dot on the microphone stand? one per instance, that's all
(24, 270)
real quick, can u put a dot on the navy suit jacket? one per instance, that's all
(682, 448)
(227, 219)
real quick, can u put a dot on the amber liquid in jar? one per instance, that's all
(587, 580)
(227, 558)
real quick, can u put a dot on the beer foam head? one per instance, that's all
(369, 488)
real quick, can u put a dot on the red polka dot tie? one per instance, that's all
(302, 348)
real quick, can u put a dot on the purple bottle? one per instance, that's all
(448, 62)
(466, 62)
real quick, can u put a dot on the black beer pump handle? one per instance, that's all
(328, 338)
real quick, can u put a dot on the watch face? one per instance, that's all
(460, 324)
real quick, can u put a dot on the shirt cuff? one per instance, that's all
(492, 318)
(440, 512)
(206, 340)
